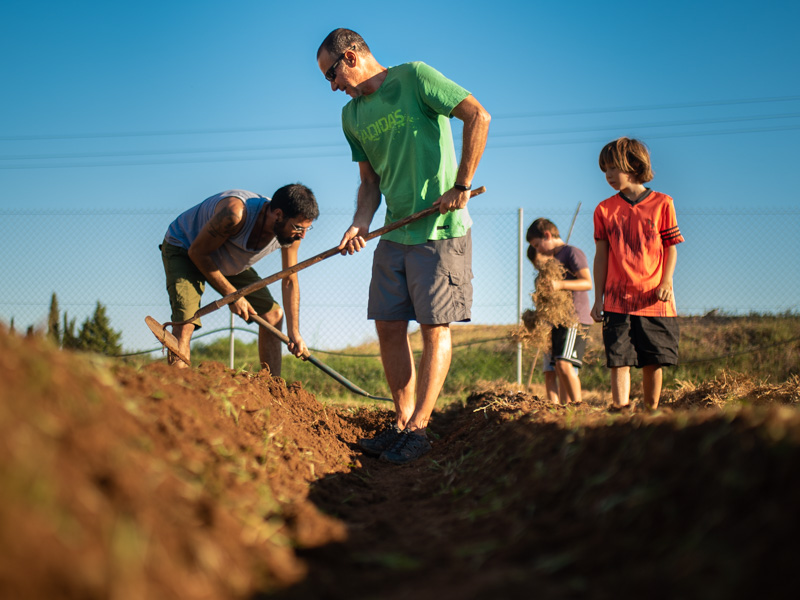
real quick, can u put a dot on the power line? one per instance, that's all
(343, 152)
(710, 103)
(630, 126)
(596, 140)
(165, 133)
(554, 113)
(339, 144)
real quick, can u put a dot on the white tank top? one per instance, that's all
(233, 256)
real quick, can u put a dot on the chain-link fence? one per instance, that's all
(737, 262)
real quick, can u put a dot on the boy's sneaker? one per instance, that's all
(408, 446)
(383, 441)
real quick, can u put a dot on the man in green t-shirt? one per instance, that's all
(397, 125)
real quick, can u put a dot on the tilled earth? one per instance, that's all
(118, 482)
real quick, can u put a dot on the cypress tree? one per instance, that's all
(53, 330)
(69, 340)
(96, 334)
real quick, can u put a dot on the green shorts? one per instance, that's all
(186, 284)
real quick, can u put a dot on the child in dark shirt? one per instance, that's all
(568, 343)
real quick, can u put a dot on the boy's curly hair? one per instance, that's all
(629, 156)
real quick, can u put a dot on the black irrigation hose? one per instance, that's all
(753, 350)
(462, 345)
(318, 351)
(194, 337)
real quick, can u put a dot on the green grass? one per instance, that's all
(764, 346)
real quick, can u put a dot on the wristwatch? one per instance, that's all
(463, 188)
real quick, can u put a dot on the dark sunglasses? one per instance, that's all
(330, 74)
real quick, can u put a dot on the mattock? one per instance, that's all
(168, 340)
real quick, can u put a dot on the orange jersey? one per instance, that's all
(638, 236)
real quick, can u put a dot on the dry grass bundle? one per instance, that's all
(553, 308)
(737, 388)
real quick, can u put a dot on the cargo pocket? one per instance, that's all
(460, 294)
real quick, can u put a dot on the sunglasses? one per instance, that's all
(298, 229)
(330, 74)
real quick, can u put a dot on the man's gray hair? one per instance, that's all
(340, 40)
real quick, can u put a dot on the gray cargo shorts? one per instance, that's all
(430, 283)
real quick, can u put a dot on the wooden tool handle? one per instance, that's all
(262, 283)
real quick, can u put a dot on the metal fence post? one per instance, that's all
(231, 351)
(519, 294)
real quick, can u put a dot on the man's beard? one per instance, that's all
(280, 234)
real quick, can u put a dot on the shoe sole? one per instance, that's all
(404, 461)
(401, 460)
(369, 451)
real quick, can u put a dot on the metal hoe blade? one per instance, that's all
(165, 337)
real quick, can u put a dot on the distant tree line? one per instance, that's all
(94, 335)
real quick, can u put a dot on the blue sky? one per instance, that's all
(157, 105)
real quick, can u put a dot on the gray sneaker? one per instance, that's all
(383, 441)
(408, 446)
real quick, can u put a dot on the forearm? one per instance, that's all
(212, 273)
(475, 133)
(600, 274)
(669, 266)
(368, 201)
(575, 285)
(290, 289)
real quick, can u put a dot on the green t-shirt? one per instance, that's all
(403, 131)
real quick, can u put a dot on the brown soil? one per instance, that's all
(117, 482)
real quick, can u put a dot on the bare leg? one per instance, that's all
(437, 352)
(620, 386)
(184, 335)
(269, 347)
(398, 366)
(569, 384)
(652, 377)
(551, 386)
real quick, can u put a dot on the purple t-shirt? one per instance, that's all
(574, 260)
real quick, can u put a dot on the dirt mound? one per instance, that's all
(208, 483)
(156, 483)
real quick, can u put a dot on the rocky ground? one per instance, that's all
(122, 482)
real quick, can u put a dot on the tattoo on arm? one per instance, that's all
(223, 224)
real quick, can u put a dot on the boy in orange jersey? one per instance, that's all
(636, 233)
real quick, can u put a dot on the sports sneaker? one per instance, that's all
(408, 446)
(383, 441)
